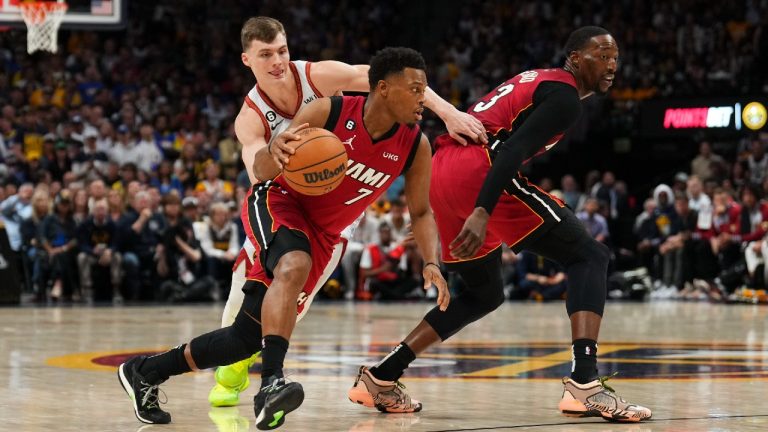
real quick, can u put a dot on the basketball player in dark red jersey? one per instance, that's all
(295, 235)
(525, 116)
(283, 87)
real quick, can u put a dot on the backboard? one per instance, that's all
(82, 14)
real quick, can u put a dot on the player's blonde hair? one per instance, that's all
(261, 28)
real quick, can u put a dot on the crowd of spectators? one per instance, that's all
(120, 168)
(667, 48)
(676, 48)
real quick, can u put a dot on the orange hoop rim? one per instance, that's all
(48, 5)
(35, 12)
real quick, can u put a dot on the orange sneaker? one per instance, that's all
(386, 396)
(596, 399)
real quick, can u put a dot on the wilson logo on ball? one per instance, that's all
(318, 163)
(326, 174)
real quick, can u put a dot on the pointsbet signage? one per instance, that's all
(718, 116)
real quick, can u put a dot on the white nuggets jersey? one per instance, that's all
(275, 120)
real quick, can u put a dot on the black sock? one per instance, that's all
(272, 356)
(392, 366)
(158, 368)
(584, 367)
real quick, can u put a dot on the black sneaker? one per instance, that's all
(144, 395)
(273, 402)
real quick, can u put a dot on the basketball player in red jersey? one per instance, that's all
(525, 116)
(283, 86)
(295, 235)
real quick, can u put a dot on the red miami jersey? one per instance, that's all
(373, 165)
(506, 107)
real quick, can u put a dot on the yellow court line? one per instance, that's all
(719, 360)
(421, 356)
(84, 360)
(536, 363)
(701, 362)
(550, 344)
(508, 380)
(715, 374)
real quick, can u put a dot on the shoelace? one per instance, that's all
(603, 379)
(275, 385)
(151, 396)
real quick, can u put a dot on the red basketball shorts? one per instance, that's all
(266, 211)
(524, 212)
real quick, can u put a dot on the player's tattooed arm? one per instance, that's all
(270, 160)
(423, 221)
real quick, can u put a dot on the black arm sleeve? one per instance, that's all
(556, 106)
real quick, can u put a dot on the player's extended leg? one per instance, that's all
(278, 317)
(140, 376)
(586, 263)
(232, 379)
(379, 387)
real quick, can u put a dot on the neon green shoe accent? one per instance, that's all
(228, 420)
(277, 416)
(230, 382)
(221, 396)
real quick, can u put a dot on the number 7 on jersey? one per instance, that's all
(363, 193)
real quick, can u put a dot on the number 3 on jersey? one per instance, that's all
(501, 92)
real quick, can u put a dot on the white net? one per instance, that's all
(43, 20)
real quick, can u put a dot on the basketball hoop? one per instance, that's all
(43, 19)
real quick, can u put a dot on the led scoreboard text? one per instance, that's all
(729, 115)
(709, 117)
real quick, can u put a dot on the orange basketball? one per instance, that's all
(319, 164)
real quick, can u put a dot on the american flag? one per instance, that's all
(101, 7)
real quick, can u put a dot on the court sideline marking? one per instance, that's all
(655, 420)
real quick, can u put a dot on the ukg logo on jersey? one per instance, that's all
(325, 174)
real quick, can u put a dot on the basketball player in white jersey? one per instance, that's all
(283, 87)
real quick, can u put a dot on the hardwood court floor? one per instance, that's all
(698, 366)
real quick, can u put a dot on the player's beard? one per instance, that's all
(599, 90)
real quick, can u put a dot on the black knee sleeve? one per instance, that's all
(482, 294)
(587, 285)
(585, 260)
(234, 343)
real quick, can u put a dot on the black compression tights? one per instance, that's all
(585, 260)
(484, 293)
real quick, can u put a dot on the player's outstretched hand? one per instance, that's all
(461, 126)
(432, 276)
(279, 147)
(472, 235)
